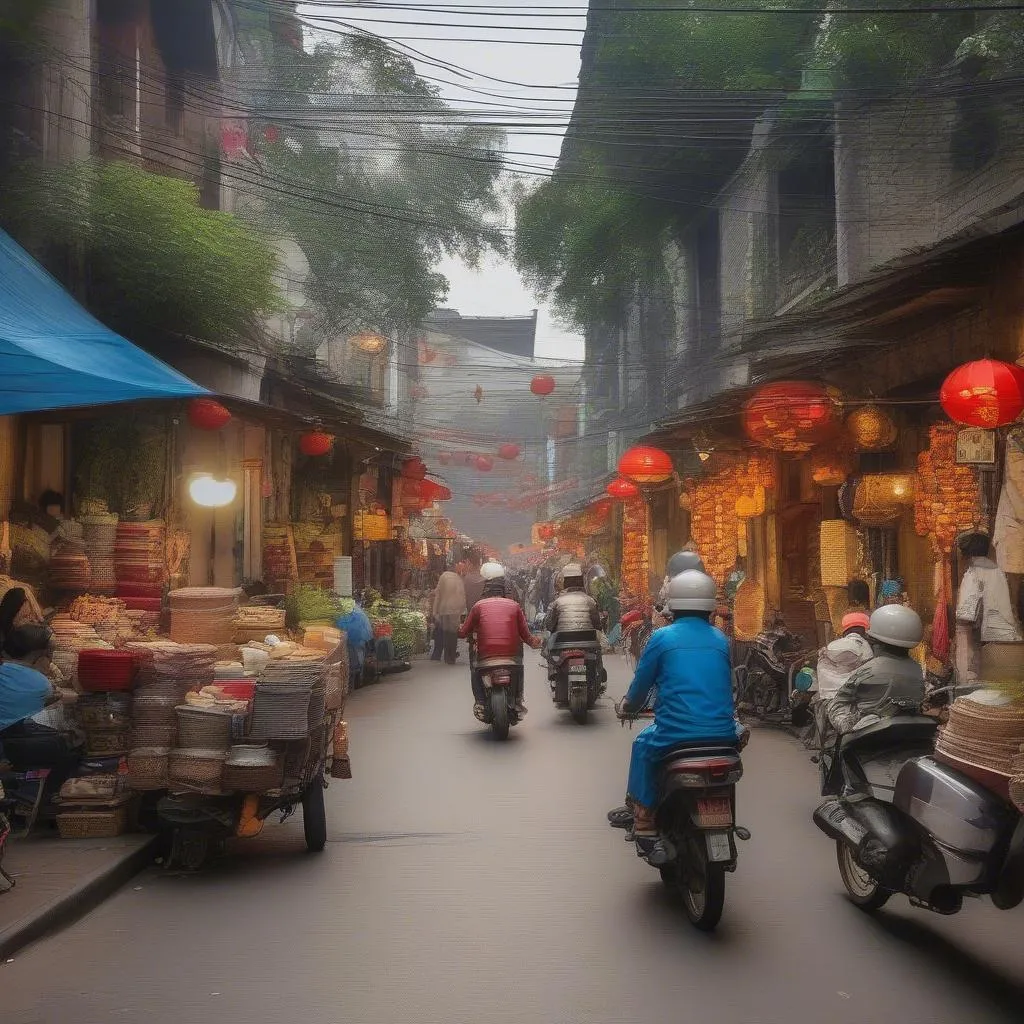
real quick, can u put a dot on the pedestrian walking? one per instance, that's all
(449, 607)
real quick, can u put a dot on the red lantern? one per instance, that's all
(484, 464)
(622, 489)
(316, 442)
(987, 393)
(646, 465)
(444, 458)
(542, 385)
(414, 469)
(792, 416)
(546, 532)
(207, 414)
(509, 452)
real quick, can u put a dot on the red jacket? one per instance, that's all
(500, 627)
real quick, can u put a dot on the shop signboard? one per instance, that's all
(975, 447)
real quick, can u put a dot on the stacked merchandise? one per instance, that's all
(635, 549)
(69, 564)
(204, 615)
(256, 622)
(94, 807)
(107, 615)
(140, 564)
(205, 726)
(316, 563)
(69, 637)
(280, 568)
(100, 533)
(985, 730)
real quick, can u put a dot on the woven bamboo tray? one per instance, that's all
(93, 824)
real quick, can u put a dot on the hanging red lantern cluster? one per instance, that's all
(315, 443)
(622, 489)
(207, 414)
(509, 452)
(987, 393)
(792, 416)
(484, 463)
(546, 532)
(414, 469)
(542, 385)
(646, 465)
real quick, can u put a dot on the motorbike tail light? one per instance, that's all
(501, 679)
(573, 654)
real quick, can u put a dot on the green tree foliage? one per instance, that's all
(156, 259)
(373, 175)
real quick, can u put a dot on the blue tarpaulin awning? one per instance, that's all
(56, 355)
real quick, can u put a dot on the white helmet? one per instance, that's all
(683, 560)
(492, 571)
(896, 625)
(692, 591)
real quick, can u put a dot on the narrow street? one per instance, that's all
(471, 881)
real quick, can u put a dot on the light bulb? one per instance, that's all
(208, 492)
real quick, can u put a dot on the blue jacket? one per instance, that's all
(688, 666)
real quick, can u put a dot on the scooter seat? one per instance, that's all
(498, 663)
(700, 748)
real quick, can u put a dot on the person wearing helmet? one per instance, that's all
(680, 562)
(837, 661)
(573, 609)
(687, 667)
(891, 682)
(499, 626)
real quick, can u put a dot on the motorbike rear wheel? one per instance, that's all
(578, 705)
(314, 816)
(499, 713)
(699, 884)
(863, 891)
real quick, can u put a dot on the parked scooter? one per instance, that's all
(696, 819)
(576, 671)
(903, 822)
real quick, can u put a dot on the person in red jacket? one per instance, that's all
(501, 630)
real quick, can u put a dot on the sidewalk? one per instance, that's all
(60, 880)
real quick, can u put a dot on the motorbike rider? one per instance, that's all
(679, 562)
(688, 665)
(573, 609)
(889, 682)
(500, 629)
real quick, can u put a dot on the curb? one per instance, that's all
(84, 896)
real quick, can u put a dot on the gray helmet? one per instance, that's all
(896, 625)
(683, 560)
(572, 575)
(692, 591)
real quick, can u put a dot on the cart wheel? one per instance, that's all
(314, 816)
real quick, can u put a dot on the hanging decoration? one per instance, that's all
(831, 464)
(484, 463)
(871, 429)
(414, 469)
(546, 532)
(542, 385)
(947, 500)
(207, 414)
(792, 416)
(509, 452)
(635, 565)
(646, 465)
(433, 491)
(987, 393)
(316, 443)
(622, 489)
(369, 342)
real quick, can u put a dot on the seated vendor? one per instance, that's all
(24, 692)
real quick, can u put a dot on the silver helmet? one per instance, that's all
(896, 625)
(683, 560)
(692, 591)
(492, 571)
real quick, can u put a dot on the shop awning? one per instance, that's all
(55, 355)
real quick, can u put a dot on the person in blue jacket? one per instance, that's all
(687, 666)
(358, 633)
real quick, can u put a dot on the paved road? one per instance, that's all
(468, 881)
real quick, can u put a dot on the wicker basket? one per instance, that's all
(154, 736)
(107, 742)
(259, 779)
(1017, 791)
(196, 769)
(881, 498)
(280, 711)
(341, 767)
(317, 705)
(839, 552)
(152, 710)
(148, 767)
(93, 824)
(203, 729)
(104, 711)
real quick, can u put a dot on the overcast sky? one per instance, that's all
(518, 57)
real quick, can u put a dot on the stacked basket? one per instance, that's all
(983, 735)
(256, 622)
(205, 615)
(100, 533)
(282, 705)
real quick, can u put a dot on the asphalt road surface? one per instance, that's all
(471, 881)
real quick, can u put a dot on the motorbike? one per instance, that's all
(904, 821)
(501, 677)
(576, 671)
(696, 819)
(763, 685)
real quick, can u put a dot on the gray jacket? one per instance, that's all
(573, 610)
(879, 687)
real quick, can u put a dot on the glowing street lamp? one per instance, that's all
(207, 491)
